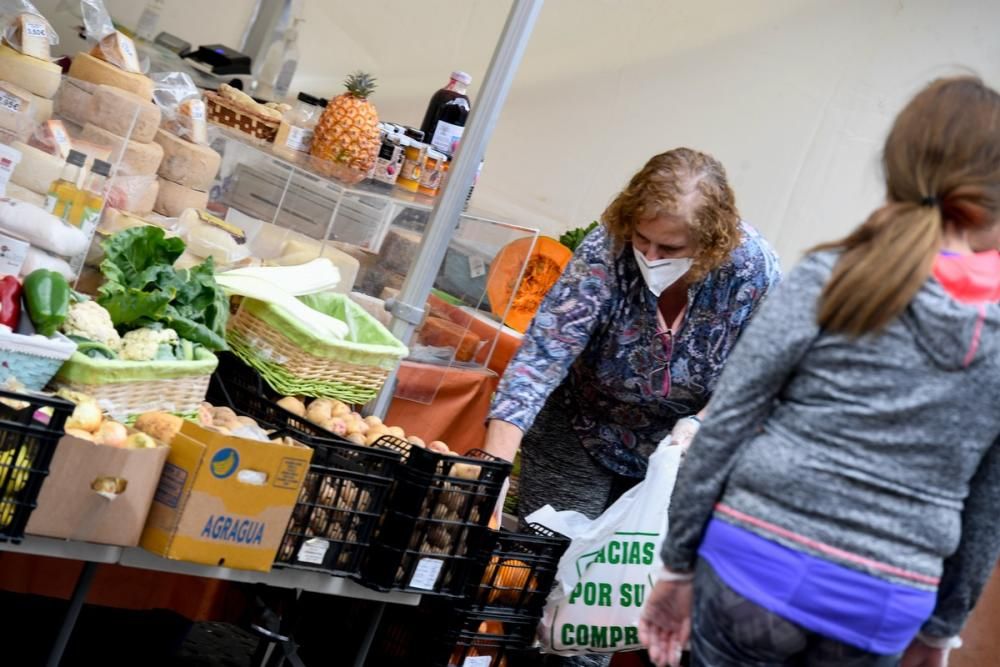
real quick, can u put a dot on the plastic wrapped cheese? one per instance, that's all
(209, 236)
(37, 169)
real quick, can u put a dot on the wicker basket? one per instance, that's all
(126, 389)
(33, 361)
(295, 362)
(223, 112)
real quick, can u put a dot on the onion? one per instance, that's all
(112, 434)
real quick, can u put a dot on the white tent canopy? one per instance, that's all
(794, 96)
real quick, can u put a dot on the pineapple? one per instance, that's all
(347, 133)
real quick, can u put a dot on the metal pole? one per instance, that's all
(72, 613)
(408, 308)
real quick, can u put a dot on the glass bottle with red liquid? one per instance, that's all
(446, 114)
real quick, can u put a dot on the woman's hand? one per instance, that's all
(684, 432)
(665, 625)
(919, 654)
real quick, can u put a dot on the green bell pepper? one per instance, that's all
(47, 296)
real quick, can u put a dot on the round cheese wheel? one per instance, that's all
(113, 109)
(187, 164)
(36, 76)
(137, 160)
(41, 109)
(73, 100)
(173, 199)
(89, 68)
(37, 169)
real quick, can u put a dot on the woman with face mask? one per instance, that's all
(628, 345)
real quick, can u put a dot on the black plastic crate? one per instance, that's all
(437, 634)
(236, 384)
(491, 635)
(344, 495)
(519, 572)
(339, 507)
(435, 532)
(30, 428)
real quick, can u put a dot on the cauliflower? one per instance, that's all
(87, 319)
(144, 344)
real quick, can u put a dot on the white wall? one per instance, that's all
(794, 96)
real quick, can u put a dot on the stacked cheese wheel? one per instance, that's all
(186, 174)
(37, 77)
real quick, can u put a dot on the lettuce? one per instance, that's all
(142, 287)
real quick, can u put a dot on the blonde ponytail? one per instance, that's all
(883, 265)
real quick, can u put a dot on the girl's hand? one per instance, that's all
(665, 625)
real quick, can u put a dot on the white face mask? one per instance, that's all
(662, 273)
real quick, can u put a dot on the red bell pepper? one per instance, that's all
(10, 301)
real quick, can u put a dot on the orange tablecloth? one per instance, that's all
(459, 402)
(123, 587)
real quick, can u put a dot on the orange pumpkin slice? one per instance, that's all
(546, 263)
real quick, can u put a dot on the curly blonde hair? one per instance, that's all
(688, 183)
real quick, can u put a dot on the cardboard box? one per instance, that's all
(208, 509)
(68, 506)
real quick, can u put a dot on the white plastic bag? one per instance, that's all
(607, 571)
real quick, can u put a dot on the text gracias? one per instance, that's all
(598, 594)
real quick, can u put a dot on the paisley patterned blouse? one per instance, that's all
(595, 351)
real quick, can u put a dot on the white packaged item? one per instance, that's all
(608, 569)
(39, 259)
(15, 191)
(184, 113)
(13, 252)
(41, 229)
(207, 235)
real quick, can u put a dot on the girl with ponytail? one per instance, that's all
(839, 506)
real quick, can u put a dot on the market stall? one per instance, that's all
(205, 284)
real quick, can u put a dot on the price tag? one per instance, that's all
(477, 267)
(425, 575)
(12, 254)
(477, 661)
(10, 102)
(313, 551)
(35, 30)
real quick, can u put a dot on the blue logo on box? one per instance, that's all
(225, 462)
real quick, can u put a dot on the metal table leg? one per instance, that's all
(366, 643)
(72, 613)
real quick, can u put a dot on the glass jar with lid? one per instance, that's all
(296, 130)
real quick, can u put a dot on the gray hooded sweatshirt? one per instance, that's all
(881, 454)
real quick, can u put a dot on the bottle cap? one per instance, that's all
(414, 133)
(101, 167)
(76, 158)
(308, 99)
(461, 77)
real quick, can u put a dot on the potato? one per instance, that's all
(414, 440)
(465, 471)
(438, 446)
(373, 437)
(86, 417)
(293, 405)
(225, 417)
(357, 425)
(319, 411)
(340, 409)
(247, 421)
(372, 420)
(159, 425)
(336, 426)
(356, 438)
(205, 413)
(396, 432)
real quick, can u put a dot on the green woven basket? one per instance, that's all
(126, 389)
(297, 362)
